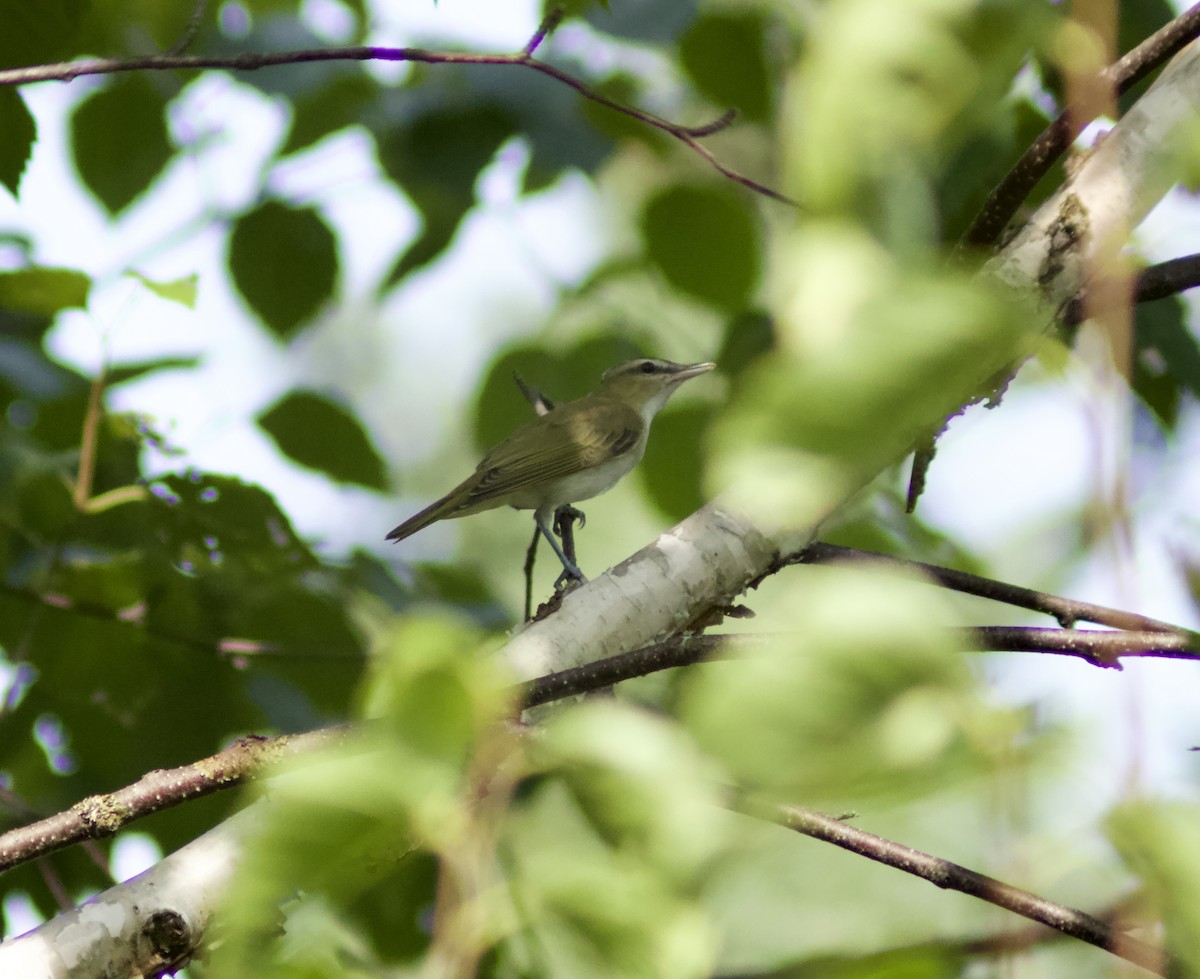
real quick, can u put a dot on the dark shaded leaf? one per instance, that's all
(43, 291)
(1135, 23)
(724, 53)
(328, 109)
(436, 159)
(317, 433)
(284, 262)
(674, 460)
(706, 242)
(1162, 325)
(38, 32)
(642, 20)
(130, 372)
(747, 336)
(20, 130)
(1166, 358)
(119, 138)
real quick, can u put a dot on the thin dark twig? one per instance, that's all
(547, 27)
(683, 651)
(1054, 140)
(1067, 611)
(952, 876)
(1154, 282)
(1167, 278)
(252, 61)
(1100, 648)
(190, 30)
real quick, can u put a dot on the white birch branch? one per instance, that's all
(141, 926)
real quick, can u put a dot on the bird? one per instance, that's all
(574, 452)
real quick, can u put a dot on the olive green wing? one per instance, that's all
(568, 440)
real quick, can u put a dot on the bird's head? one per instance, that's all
(646, 384)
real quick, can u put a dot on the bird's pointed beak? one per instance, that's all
(687, 371)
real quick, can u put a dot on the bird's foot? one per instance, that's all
(564, 516)
(570, 579)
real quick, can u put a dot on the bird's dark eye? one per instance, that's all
(647, 367)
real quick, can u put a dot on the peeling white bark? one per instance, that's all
(1087, 222)
(704, 561)
(138, 926)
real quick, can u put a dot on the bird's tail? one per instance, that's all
(419, 521)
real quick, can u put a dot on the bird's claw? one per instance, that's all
(568, 581)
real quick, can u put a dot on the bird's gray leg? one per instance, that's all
(570, 567)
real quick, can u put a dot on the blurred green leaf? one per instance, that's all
(322, 435)
(1160, 842)
(182, 291)
(674, 459)
(1162, 326)
(130, 372)
(35, 33)
(20, 132)
(1166, 358)
(284, 262)
(436, 158)
(43, 291)
(725, 53)
(119, 138)
(34, 495)
(641, 20)
(706, 242)
(748, 336)
(329, 108)
(1135, 23)
(884, 694)
(911, 346)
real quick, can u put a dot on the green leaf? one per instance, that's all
(331, 107)
(724, 52)
(1135, 23)
(20, 132)
(284, 262)
(182, 291)
(1162, 326)
(748, 336)
(674, 459)
(120, 141)
(642, 20)
(38, 32)
(706, 242)
(1160, 841)
(1166, 358)
(130, 372)
(43, 291)
(436, 159)
(322, 435)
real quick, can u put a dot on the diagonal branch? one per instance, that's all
(689, 136)
(101, 816)
(952, 876)
(1055, 139)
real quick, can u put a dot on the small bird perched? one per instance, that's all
(572, 453)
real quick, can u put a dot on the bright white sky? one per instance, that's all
(1012, 483)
